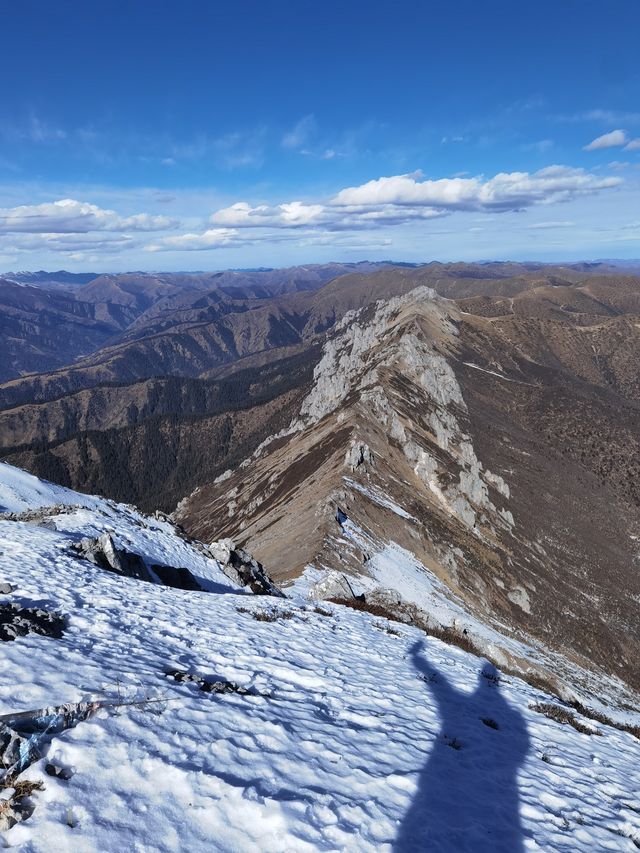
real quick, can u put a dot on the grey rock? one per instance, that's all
(240, 567)
(332, 585)
(17, 621)
(104, 553)
(209, 685)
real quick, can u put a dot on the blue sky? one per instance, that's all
(203, 135)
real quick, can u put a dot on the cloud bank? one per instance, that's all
(356, 216)
(389, 201)
(68, 216)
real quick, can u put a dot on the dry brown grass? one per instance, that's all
(448, 635)
(562, 715)
(599, 717)
(270, 615)
(16, 808)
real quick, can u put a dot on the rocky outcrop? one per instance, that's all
(242, 568)
(41, 516)
(104, 553)
(17, 621)
(388, 338)
(359, 453)
(332, 585)
(208, 685)
(506, 460)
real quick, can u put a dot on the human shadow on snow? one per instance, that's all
(467, 797)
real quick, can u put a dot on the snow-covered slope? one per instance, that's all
(356, 733)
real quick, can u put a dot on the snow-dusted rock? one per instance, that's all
(332, 585)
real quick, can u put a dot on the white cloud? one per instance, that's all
(68, 216)
(558, 223)
(67, 244)
(633, 145)
(363, 216)
(301, 133)
(294, 214)
(388, 202)
(213, 238)
(505, 191)
(297, 214)
(613, 139)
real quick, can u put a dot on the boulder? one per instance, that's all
(359, 454)
(104, 553)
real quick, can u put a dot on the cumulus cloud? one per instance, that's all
(395, 200)
(613, 139)
(292, 214)
(633, 145)
(68, 216)
(297, 214)
(505, 191)
(387, 202)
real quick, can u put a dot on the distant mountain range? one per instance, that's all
(42, 278)
(49, 320)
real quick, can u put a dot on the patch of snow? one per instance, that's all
(20, 491)
(375, 495)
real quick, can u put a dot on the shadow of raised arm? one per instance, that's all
(440, 688)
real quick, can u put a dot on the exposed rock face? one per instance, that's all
(359, 454)
(157, 401)
(243, 569)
